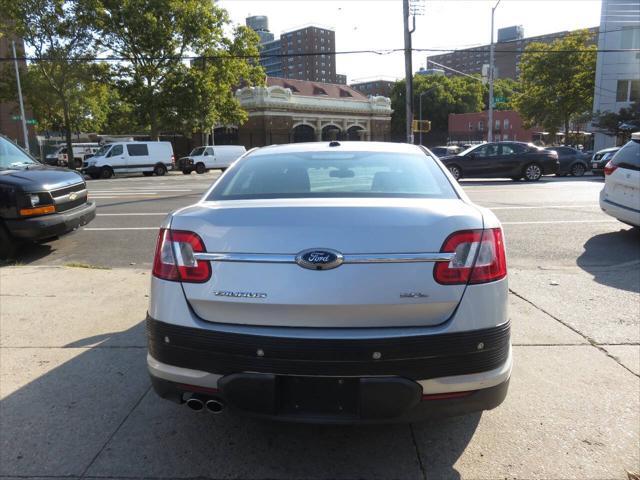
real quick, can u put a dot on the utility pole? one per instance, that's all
(24, 120)
(491, 75)
(408, 70)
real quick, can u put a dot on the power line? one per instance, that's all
(311, 54)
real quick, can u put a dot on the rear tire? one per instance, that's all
(200, 168)
(455, 172)
(186, 172)
(578, 170)
(106, 173)
(159, 170)
(78, 163)
(223, 169)
(8, 246)
(532, 172)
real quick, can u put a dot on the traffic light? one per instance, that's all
(423, 126)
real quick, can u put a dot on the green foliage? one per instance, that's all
(557, 81)
(505, 88)
(619, 124)
(166, 93)
(442, 96)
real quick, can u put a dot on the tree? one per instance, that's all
(441, 97)
(152, 37)
(503, 88)
(620, 124)
(61, 40)
(557, 81)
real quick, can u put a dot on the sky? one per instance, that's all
(377, 25)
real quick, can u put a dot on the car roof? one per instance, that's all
(610, 149)
(386, 147)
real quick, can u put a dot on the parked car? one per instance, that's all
(130, 157)
(81, 151)
(37, 202)
(513, 160)
(446, 150)
(572, 161)
(601, 158)
(203, 159)
(620, 196)
(331, 282)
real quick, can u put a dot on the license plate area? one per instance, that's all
(318, 395)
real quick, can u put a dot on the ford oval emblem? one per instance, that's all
(319, 259)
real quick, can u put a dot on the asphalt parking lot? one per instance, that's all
(76, 401)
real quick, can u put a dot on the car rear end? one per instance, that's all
(353, 283)
(620, 196)
(600, 159)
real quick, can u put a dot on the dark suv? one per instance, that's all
(37, 202)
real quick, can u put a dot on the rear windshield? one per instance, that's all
(334, 174)
(628, 156)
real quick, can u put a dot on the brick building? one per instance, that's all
(288, 110)
(375, 87)
(8, 110)
(472, 127)
(507, 54)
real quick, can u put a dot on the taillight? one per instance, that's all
(175, 260)
(479, 258)
(609, 168)
(173, 159)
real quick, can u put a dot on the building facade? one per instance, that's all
(288, 111)
(375, 87)
(473, 127)
(307, 53)
(507, 54)
(617, 73)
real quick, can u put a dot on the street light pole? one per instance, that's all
(408, 70)
(24, 120)
(491, 59)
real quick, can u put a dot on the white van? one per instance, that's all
(130, 157)
(81, 151)
(202, 159)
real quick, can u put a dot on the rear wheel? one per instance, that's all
(200, 168)
(186, 172)
(147, 174)
(223, 169)
(455, 171)
(532, 172)
(159, 170)
(578, 170)
(8, 246)
(106, 172)
(78, 163)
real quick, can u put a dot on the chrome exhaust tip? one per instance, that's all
(215, 406)
(195, 404)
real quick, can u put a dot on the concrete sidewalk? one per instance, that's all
(76, 400)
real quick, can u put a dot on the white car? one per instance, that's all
(620, 196)
(130, 157)
(203, 159)
(335, 282)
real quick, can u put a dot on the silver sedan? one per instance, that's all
(332, 282)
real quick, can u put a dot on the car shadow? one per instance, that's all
(613, 258)
(28, 252)
(94, 413)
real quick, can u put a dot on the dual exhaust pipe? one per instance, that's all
(213, 405)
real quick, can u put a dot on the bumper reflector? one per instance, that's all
(26, 212)
(197, 388)
(445, 396)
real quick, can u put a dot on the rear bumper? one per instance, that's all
(47, 226)
(387, 377)
(624, 213)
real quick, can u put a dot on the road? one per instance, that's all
(76, 401)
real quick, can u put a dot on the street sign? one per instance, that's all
(16, 118)
(500, 99)
(32, 122)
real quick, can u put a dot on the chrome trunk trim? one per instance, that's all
(348, 258)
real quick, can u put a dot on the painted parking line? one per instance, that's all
(130, 214)
(107, 229)
(543, 207)
(544, 222)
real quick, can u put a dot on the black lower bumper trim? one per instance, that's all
(412, 357)
(335, 400)
(48, 226)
